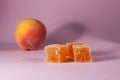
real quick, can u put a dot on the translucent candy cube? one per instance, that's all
(56, 53)
(82, 53)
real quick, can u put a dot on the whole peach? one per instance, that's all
(30, 34)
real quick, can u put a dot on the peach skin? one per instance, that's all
(30, 34)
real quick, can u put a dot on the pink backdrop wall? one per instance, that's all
(97, 22)
(99, 18)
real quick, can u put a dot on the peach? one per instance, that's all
(30, 34)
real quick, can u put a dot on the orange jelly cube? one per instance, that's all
(70, 55)
(82, 53)
(56, 53)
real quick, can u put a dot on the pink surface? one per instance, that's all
(95, 22)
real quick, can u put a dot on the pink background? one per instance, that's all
(96, 22)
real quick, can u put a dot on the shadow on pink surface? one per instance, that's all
(68, 32)
(110, 35)
(13, 47)
(106, 55)
(8, 46)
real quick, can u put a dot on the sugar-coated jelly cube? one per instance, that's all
(70, 55)
(82, 53)
(56, 53)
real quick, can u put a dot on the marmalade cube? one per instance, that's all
(82, 53)
(70, 49)
(56, 53)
